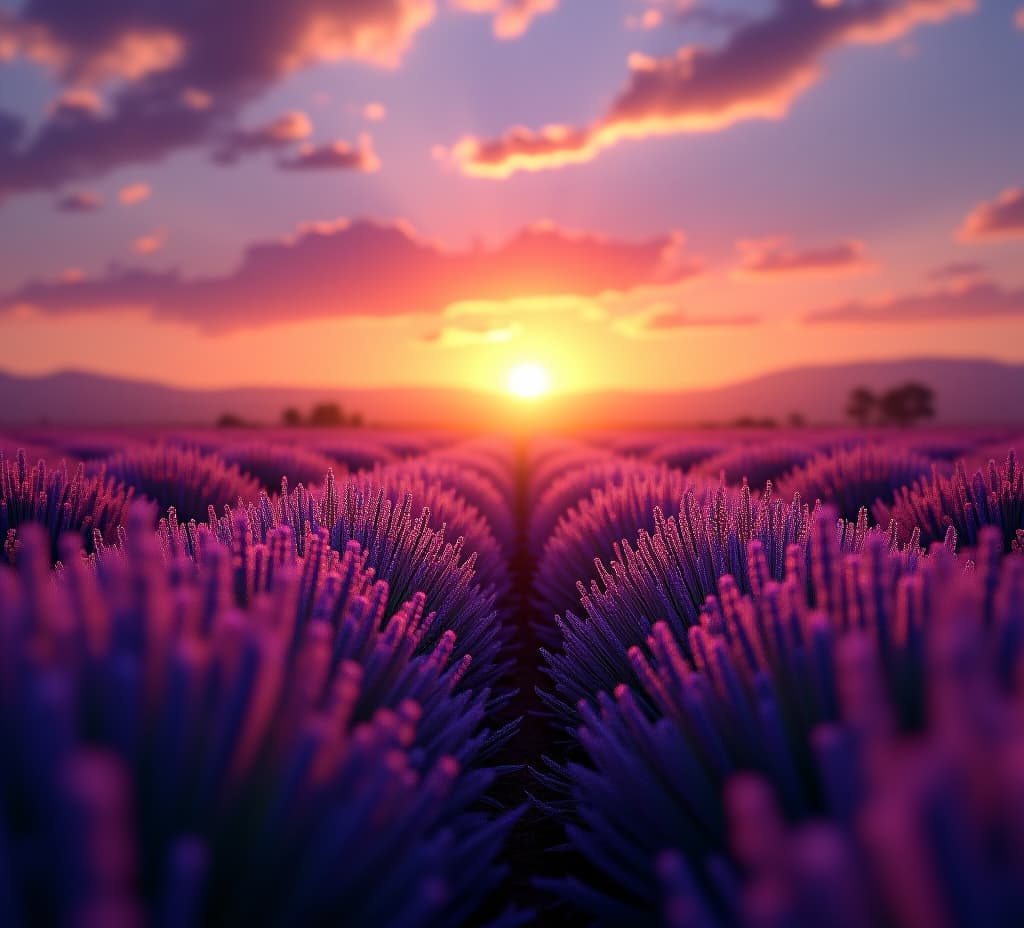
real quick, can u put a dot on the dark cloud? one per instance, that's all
(334, 156)
(180, 71)
(973, 299)
(79, 201)
(371, 269)
(774, 256)
(1000, 218)
(758, 72)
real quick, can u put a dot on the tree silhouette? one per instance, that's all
(291, 417)
(907, 404)
(861, 405)
(326, 415)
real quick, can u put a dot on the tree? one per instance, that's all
(861, 405)
(230, 420)
(907, 404)
(291, 417)
(325, 415)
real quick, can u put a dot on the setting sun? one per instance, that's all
(528, 380)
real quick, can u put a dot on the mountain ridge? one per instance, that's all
(971, 391)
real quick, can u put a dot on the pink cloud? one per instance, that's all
(762, 67)
(1000, 218)
(775, 257)
(368, 268)
(150, 244)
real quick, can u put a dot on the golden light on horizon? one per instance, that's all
(528, 380)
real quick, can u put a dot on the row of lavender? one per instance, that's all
(794, 699)
(281, 706)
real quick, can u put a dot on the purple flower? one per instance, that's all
(993, 496)
(60, 501)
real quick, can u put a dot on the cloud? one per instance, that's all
(79, 201)
(134, 193)
(1018, 18)
(511, 17)
(367, 268)
(282, 132)
(174, 74)
(470, 334)
(1000, 218)
(665, 319)
(775, 257)
(336, 156)
(151, 243)
(957, 271)
(757, 73)
(375, 112)
(964, 300)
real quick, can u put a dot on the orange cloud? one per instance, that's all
(511, 17)
(1000, 218)
(965, 299)
(666, 319)
(375, 112)
(1018, 18)
(774, 257)
(134, 193)
(756, 74)
(368, 268)
(150, 244)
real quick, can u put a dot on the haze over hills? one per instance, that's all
(967, 392)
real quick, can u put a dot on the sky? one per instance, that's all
(631, 194)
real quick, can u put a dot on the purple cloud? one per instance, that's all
(973, 299)
(334, 156)
(775, 257)
(79, 201)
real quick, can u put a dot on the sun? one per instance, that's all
(528, 381)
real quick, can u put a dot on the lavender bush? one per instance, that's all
(184, 478)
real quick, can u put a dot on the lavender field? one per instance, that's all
(408, 678)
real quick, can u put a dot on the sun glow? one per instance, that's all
(528, 381)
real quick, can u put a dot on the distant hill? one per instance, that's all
(967, 392)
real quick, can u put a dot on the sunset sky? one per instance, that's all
(631, 194)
